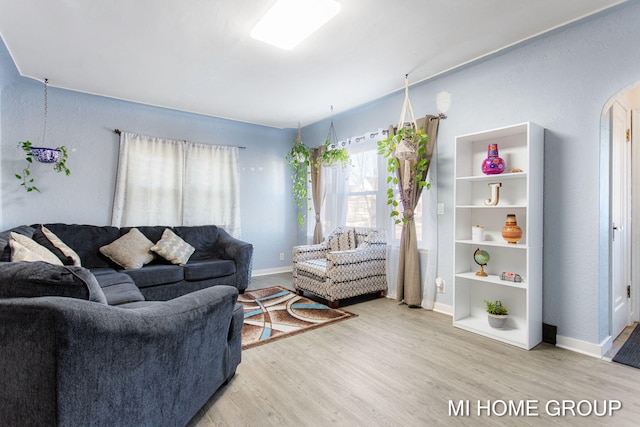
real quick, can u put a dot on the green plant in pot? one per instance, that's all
(497, 314)
(408, 144)
(330, 154)
(57, 156)
(333, 156)
(299, 161)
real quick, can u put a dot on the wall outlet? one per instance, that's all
(440, 208)
(281, 256)
(440, 285)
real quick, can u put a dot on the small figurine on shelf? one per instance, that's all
(510, 277)
(481, 258)
(495, 194)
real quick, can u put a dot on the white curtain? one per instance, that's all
(334, 209)
(167, 182)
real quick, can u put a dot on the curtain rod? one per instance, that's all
(118, 131)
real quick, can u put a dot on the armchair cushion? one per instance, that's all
(315, 268)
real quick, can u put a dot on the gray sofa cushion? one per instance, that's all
(202, 270)
(153, 275)
(118, 288)
(203, 238)
(39, 279)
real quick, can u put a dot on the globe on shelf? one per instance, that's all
(481, 258)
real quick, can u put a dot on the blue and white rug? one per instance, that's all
(274, 313)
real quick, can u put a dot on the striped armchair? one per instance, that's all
(349, 263)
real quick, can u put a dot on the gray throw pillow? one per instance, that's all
(172, 248)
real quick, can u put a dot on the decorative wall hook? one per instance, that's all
(495, 194)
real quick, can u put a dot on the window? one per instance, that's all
(168, 182)
(362, 189)
(357, 195)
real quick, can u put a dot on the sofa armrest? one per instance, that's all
(152, 365)
(241, 252)
(307, 252)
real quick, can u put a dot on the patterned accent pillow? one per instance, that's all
(172, 248)
(342, 239)
(347, 240)
(62, 246)
(26, 249)
(131, 250)
(373, 237)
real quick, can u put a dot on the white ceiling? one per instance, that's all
(197, 55)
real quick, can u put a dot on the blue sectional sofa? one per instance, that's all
(97, 344)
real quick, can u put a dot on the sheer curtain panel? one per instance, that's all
(167, 182)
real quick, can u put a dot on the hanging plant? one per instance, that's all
(58, 156)
(298, 160)
(333, 156)
(408, 144)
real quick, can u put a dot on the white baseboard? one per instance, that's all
(267, 271)
(584, 347)
(443, 308)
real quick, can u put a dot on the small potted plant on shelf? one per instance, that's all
(58, 156)
(497, 314)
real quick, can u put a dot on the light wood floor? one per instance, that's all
(395, 366)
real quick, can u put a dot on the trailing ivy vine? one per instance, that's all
(299, 161)
(388, 148)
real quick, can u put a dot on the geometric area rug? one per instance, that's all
(274, 313)
(629, 353)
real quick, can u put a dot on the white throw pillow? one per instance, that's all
(66, 250)
(131, 250)
(26, 249)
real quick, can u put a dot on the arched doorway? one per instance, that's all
(620, 116)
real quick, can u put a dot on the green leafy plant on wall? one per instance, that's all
(59, 164)
(408, 142)
(299, 161)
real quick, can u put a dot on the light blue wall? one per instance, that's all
(560, 81)
(85, 123)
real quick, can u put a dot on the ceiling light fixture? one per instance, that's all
(289, 22)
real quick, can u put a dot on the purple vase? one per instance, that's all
(493, 164)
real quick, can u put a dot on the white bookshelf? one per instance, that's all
(522, 147)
